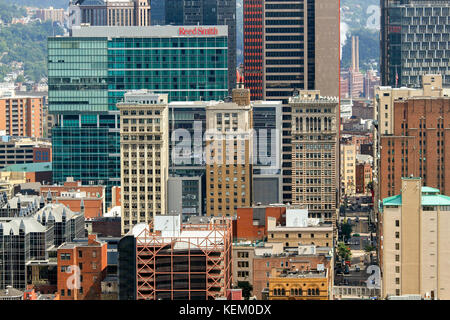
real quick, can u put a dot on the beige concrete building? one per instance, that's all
(299, 230)
(243, 255)
(416, 242)
(315, 159)
(229, 159)
(144, 154)
(348, 169)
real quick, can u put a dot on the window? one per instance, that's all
(80, 254)
(62, 292)
(397, 223)
(94, 254)
(69, 292)
(287, 235)
(397, 235)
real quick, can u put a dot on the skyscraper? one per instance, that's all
(415, 38)
(228, 158)
(207, 12)
(112, 12)
(294, 44)
(315, 149)
(144, 154)
(253, 47)
(90, 71)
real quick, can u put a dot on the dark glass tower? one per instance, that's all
(207, 12)
(415, 40)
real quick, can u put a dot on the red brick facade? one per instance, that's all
(91, 259)
(248, 230)
(419, 146)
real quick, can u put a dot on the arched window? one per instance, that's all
(317, 292)
(309, 292)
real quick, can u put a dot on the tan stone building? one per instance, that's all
(144, 154)
(320, 235)
(228, 152)
(416, 242)
(348, 169)
(315, 159)
(243, 255)
(299, 230)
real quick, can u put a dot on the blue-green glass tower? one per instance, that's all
(89, 71)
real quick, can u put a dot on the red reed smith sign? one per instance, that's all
(197, 31)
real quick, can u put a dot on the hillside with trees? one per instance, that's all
(26, 44)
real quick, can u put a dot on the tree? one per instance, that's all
(369, 248)
(246, 288)
(20, 78)
(344, 252)
(346, 230)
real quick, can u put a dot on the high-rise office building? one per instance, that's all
(400, 159)
(90, 71)
(414, 41)
(416, 256)
(22, 116)
(294, 44)
(315, 153)
(144, 154)
(418, 145)
(206, 13)
(229, 159)
(112, 12)
(253, 47)
(411, 135)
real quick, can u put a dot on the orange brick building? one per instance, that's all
(419, 145)
(71, 194)
(251, 223)
(22, 116)
(91, 260)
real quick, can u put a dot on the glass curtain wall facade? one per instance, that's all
(415, 40)
(88, 75)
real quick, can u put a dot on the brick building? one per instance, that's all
(252, 221)
(22, 116)
(91, 259)
(74, 195)
(418, 146)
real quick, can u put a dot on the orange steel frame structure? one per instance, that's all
(216, 247)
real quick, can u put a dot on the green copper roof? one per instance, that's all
(393, 201)
(430, 197)
(429, 190)
(29, 167)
